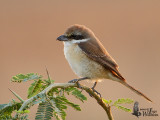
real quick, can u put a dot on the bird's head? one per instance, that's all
(76, 33)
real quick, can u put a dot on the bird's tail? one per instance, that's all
(136, 91)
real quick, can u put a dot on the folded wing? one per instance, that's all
(95, 51)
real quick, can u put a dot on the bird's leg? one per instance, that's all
(77, 81)
(93, 88)
(94, 85)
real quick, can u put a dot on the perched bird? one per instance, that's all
(89, 59)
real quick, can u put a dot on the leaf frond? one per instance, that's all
(35, 88)
(7, 109)
(124, 101)
(44, 112)
(66, 101)
(123, 108)
(75, 92)
(25, 77)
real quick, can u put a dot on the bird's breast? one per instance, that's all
(81, 64)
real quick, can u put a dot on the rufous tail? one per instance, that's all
(136, 91)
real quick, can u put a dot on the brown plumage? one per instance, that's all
(97, 54)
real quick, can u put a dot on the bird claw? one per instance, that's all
(76, 81)
(95, 92)
(73, 81)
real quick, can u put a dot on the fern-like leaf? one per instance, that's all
(65, 100)
(35, 88)
(7, 109)
(25, 77)
(123, 108)
(44, 112)
(59, 106)
(24, 117)
(69, 90)
(78, 94)
(124, 101)
(75, 92)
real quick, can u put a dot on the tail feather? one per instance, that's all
(136, 91)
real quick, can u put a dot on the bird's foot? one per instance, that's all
(95, 92)
(73, 81)
(77, 81)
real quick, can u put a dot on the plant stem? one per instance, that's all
(109, 113)
(106, 107)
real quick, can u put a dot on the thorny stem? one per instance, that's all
(106, 107)
(17, 95)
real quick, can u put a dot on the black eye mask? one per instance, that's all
(76, 37)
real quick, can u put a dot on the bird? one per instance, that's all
(89, 59)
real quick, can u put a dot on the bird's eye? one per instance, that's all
(77, 37)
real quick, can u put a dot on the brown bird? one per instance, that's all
(89, 59)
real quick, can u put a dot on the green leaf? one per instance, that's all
(6, 117)
(23, 112)
(25, 77)
(54, 103)
(124, 101)
(69, 89)
(35, 88)
(106, 101)
(7, 109)
(78, 94)
(48, 82)
(44, 112)
(75, 92)
(123, 108)
(59, 107)
(63, 115)
(25, 117)
(64, 99)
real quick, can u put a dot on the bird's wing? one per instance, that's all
(95, 51)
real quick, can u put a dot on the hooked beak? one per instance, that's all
(62, 38)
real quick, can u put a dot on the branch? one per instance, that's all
(106, 107)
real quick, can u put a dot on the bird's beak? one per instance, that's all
(62, 38)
